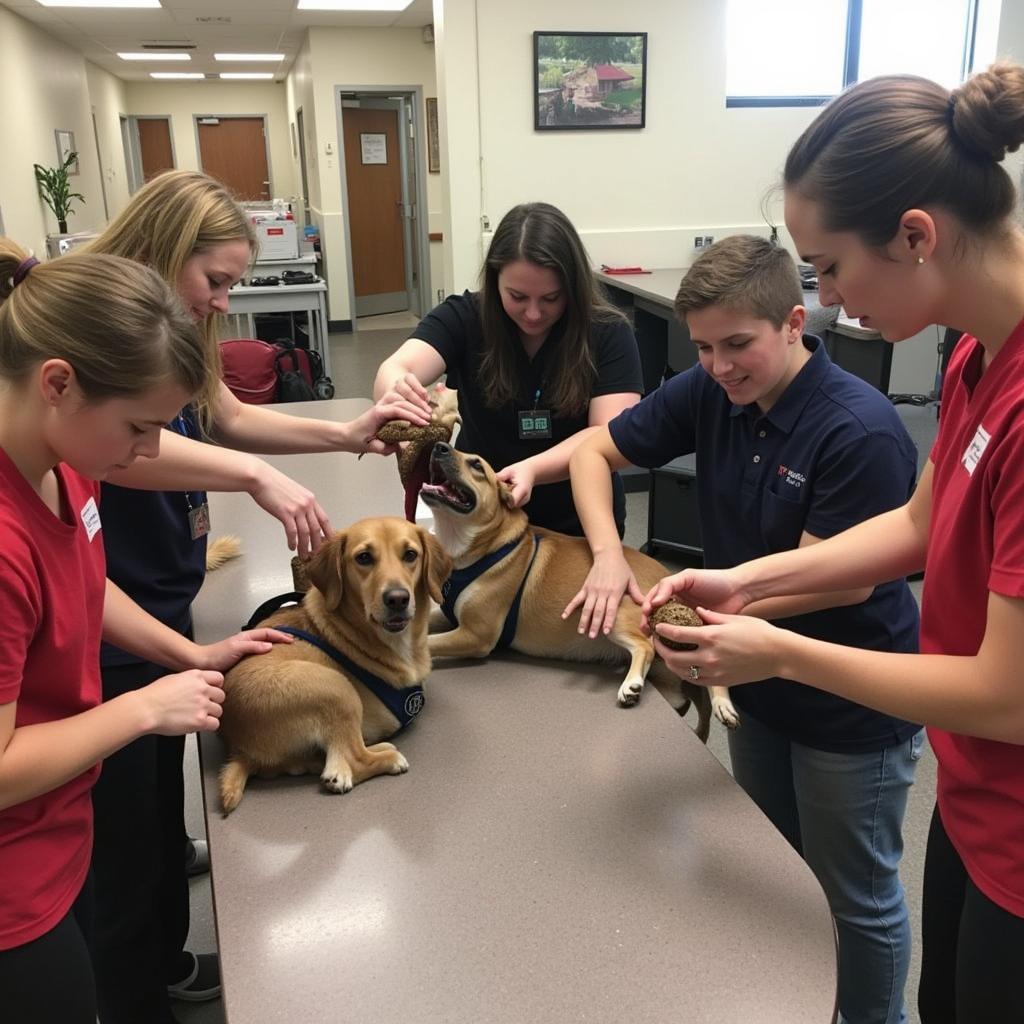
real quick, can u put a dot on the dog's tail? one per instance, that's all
(221, 550)
(234, 774)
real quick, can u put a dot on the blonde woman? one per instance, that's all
(189, 229)
(94, 354)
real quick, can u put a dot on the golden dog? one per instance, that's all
(296, 709)
(541, 571)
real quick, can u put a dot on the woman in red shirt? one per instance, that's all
(96, 355)
(895, 194)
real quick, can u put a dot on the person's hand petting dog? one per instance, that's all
(520, 478)
(610, 578)
(225, 653)
(305, 523)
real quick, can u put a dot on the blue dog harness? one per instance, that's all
(404, 704)
(452, 589)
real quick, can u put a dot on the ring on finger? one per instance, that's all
(694, 673)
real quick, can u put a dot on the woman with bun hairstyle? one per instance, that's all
(895, 194)
(95, 354)
(539, 358)
(188, 228)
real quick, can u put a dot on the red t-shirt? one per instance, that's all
(976, 545)
(51, 610)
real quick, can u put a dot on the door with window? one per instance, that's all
(234, 151)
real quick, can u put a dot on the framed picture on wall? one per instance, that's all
(65, 147)
(433, 137)
(589, 80)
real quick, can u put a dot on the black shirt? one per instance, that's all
(455, 331)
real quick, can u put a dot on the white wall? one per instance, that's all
(45, 87)
(182, 101)
(109, 101)
(351, 58)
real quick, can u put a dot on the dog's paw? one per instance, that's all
(399, 765)
(629, 693)
(724, 711)
(337, 782)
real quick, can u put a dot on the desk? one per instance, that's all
(311, 299)
(549, 856)
(664, 342)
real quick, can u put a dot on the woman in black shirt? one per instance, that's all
(538, 357)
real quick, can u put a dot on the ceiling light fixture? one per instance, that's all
(247, 74)
(157, 55)
(176, 74)
(353, 5)
(100, 3)
(249, 56)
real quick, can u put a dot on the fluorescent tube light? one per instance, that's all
(353, 5)
(248, 56)
(100, 3)
(156, 55)
(247, 74)
(176, 74)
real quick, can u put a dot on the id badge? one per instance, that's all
(534, 424)
(199, 520)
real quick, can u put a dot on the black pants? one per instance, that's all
(49, 980)
(972, 949)
(138, 866)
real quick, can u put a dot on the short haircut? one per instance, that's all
(745, 274)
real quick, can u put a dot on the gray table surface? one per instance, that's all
(549, 857)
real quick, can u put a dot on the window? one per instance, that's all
(790, 53)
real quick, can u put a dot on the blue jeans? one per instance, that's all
(844, 814)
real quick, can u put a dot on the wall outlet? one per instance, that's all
(703, 241)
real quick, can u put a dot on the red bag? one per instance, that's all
(250, 370)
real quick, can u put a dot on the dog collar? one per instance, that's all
(404, 704)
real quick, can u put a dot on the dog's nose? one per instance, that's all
(396, 599)
(442, 449)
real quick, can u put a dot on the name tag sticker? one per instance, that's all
(91, 518)
(975, 450)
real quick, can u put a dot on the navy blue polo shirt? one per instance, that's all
(830, 453)
(455, 331)
(150, 552)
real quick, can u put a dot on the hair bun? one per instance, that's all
(988, 110)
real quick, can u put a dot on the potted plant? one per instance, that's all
(55, 189)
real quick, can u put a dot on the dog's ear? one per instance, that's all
(505, 493)
(324, 570)
(437, 566)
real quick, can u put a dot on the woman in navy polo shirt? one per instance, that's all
(539, 359)
(790, 449)
(896, 195)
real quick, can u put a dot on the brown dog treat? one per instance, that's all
(675, 613)
(418, 440)
(300, 581)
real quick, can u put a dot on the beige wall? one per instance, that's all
(109, 102)
(350, 58)
(182, 101)
(45, 87)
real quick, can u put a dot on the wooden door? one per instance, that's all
(155, 146)
(234, 150)
(373, 171)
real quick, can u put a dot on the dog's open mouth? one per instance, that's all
(396, 623)
(439, 489)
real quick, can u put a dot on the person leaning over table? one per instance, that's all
(895, 194)
(539, 359)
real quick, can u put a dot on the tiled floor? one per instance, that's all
(355, 358)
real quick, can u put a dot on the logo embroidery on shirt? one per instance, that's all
(791, 476)
(91, 518)
(976, 449)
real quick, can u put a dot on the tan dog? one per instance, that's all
(474, 523)
(296, 709)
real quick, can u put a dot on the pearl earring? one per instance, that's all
(920, 260)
